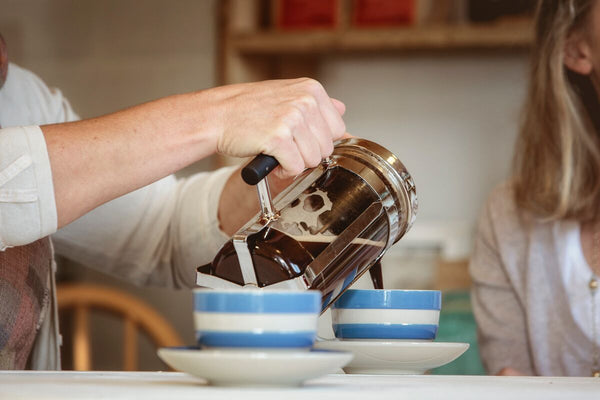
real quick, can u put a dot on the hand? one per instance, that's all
(507, 371)
(293, 120)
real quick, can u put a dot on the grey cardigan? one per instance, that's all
(519, 299)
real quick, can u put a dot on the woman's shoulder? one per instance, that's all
(506, 219)
(501, 205)
(512, 225)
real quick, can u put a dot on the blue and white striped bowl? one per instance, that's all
(256, 318)
(387, 314)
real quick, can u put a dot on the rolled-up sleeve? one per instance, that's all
(155, 235)
(27, 205)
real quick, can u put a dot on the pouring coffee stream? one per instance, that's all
(330, 226)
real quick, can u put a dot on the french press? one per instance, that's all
(325, 230)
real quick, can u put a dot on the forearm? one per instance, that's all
(96, 160)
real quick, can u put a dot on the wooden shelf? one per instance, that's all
(249, 50)
(503, 35)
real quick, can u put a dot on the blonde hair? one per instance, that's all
(556, 170)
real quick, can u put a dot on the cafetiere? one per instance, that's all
(325, 230)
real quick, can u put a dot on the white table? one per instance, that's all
(174, 385)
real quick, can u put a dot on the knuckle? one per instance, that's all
(278, 138)
(313, 85)
(294, 115)
(307, 102)
(283, 134)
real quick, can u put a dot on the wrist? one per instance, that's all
(204, 119)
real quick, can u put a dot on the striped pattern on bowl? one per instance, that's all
(387, 314)
(256, 318)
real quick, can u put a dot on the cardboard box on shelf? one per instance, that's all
(375, 13)
(305, 14)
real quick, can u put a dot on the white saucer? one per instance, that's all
(249, 367)
(393, 357)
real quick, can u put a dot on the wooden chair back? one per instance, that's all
(82, 298)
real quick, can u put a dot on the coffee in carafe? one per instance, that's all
(327, 229)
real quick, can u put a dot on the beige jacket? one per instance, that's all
(530, 292)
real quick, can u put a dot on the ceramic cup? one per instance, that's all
(256, 318)
(387, 314)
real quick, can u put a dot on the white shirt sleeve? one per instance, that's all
(27, 205)
(155, 235)
(26, 100)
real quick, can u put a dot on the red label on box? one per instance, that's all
(384, 12)
(307, 14)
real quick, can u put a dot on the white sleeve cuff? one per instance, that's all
(199, 232)
(27, 204)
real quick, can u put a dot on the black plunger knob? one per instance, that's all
(257, 169)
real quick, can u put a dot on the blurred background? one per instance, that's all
(438, 82)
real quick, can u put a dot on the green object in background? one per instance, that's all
(457, 324)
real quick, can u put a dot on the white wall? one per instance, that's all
(451, 120)
(109, 54)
